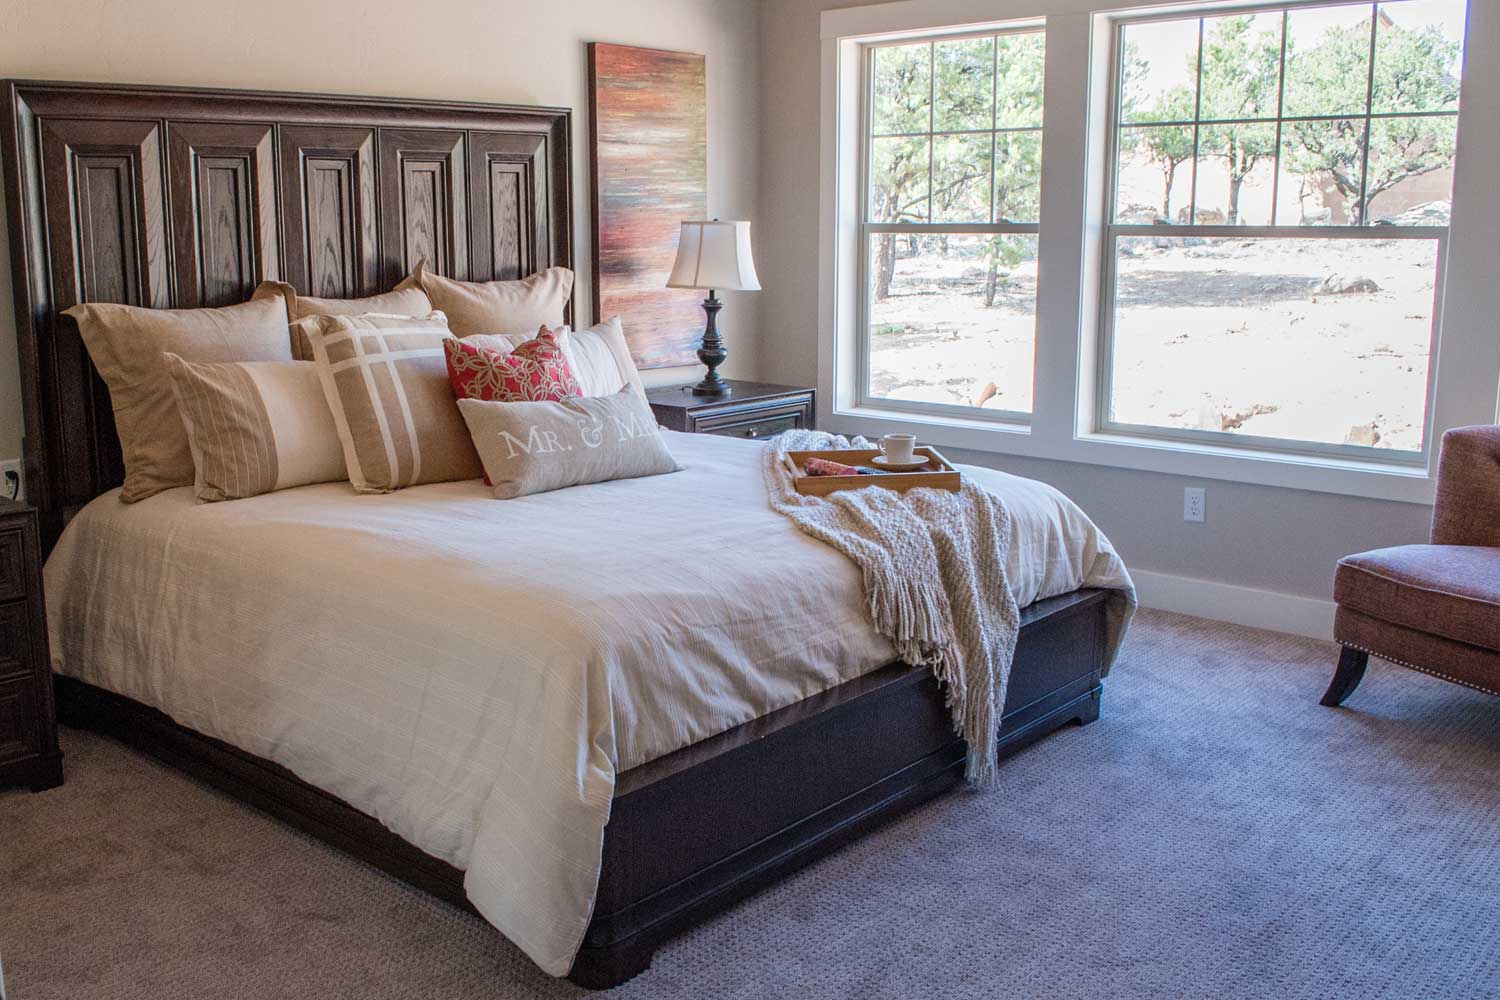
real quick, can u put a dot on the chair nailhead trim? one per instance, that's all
(1423, 670)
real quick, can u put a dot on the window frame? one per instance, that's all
(1063, 427)
(867, 229)
(1362, 230)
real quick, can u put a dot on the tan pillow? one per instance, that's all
(538, 447)
(498, 306)
(405, 300)
(126, 344)
(386, 381)
(256, 426)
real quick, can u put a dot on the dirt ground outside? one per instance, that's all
(1311, 341)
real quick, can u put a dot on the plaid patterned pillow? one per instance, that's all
(388, 389)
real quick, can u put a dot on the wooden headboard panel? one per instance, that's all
(176, 198)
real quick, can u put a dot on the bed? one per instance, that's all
(612, 742)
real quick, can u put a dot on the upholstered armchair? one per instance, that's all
(1436, 607)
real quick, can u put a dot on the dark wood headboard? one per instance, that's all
(177, 198)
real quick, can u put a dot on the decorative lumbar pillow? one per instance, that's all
(498, 306)
(386, 381)
(537, 447)
(406, 300)
(533, 371)
(126, 344)
(256, 426)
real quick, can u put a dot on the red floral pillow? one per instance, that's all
(536, 371)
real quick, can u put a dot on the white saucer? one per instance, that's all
(880, 461)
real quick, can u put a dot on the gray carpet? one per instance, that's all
(1215, 834)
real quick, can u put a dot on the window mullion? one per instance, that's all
(931, 121)
(1364, 169)
(1197, 129)
(1280, 113)
(994, 116)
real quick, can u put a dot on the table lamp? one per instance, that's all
(714, 255)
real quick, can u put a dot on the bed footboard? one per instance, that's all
(701, 829)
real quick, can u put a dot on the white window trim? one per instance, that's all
(1467, 367)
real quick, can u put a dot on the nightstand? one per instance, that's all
(750, 410)
(29, 754)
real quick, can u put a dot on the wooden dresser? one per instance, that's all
(751, 410)
(29, 754)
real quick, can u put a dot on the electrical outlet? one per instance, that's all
(9, 468)
(1194, 500)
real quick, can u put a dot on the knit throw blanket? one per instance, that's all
(934, 579)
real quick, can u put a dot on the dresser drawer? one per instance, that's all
(18, 719)
(15, 644)
(12, 564)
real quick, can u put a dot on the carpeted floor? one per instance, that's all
(1216, 833)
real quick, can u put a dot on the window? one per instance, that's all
(952, 172)
(1247, 264)
(1279, 205)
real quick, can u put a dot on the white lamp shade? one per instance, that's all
(714, 254)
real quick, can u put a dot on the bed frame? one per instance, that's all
(181, 198)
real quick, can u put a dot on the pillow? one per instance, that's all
(126, 344)
(255, 426)
(386, 382)
(498, 306)
(535, 370)
(601, 359)
(598, 356)
(538, 447)
(405, 300)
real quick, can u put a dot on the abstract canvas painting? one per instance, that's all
(649, 126)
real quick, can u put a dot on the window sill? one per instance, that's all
(1395, 482)
(1010, 423)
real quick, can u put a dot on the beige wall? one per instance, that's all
(1255, 536)
(514, 51)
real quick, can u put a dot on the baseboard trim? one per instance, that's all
(1227, 602)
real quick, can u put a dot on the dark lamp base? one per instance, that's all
(712, 387)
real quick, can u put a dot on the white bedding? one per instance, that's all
(474, 672)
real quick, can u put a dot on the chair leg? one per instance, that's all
(1346, 677)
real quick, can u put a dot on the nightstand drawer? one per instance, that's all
(18, 719)
(15, 644)
(753, 425)
(12, 564)
(754, 410)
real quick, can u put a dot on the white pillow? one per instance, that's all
(601, 360)
(598, 356)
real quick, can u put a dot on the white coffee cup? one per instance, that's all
(899, 449)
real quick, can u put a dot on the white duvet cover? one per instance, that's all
(475, 672)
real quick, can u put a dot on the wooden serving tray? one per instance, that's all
(939, 473)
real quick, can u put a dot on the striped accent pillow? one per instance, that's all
(386, 381)
(255, 426)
